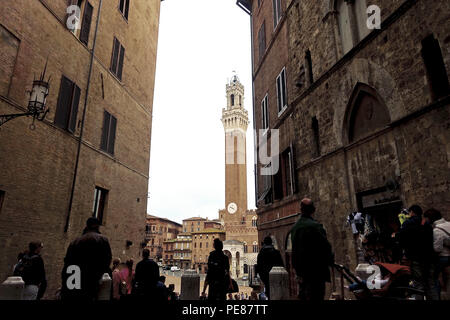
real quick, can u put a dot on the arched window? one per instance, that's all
(232, 99)
(254, 221)
(366, 113)
(245, 247)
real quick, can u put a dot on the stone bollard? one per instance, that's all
(12, 289)
(279, 284)
(190, 285)
(104, 292)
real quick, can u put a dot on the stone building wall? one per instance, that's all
(400, 163)
(38, 166)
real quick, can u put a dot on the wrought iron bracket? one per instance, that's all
(36, 115)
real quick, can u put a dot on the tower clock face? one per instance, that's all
(232, 208)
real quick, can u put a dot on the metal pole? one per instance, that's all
(66, 227)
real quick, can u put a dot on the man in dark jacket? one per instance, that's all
(218, 276)
(311, 254)
(268, 257)
(417, 241)
(146, 277)
(92, 254)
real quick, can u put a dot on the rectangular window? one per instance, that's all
(265, 112)
(266, 195)
(86, 23)
(108, 133)
(281, 92)
(2, 199)
(316, 137)
(262, 40)
(277, 12)
(124, 8)
(117, 58)
(435, 68)
(98, 209)
(67, 106)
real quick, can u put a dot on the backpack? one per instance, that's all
(123, 290)
(24, 267)
(446, 240)
(216, 267)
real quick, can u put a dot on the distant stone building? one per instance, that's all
(202, 245)
(178, 251)
(240, 223)
(48, 189)
(157, 231)
(362, 114)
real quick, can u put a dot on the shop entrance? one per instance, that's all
(381, 208)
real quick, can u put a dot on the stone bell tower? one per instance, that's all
(235, 123)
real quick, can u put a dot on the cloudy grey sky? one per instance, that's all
(201, 42)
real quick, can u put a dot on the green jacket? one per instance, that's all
(311, 252)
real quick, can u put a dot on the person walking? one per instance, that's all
(268, 257)
(146, 277)
(311, 254)
(116, 279)
(218, 275)
(441, 245)
(416, 239)
(91, 253)
(32, 270)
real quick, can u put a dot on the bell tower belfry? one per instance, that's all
(235, 123)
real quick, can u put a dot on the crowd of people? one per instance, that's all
(423, 238)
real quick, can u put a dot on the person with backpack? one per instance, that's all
(31, 269)
(91, 253)
(268, 257)
(218, 276)
(441, 244)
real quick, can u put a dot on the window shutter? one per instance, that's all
(275, 22)
(293, 171)
(279, 94)
(105, 131)
(127, 8)
(283, 88)
(86, 25)
(112, 135)
(279, 11)
(115, 55)
(120, 67)
(64, 100)
(74, 108)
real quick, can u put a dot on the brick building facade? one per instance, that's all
(47, 192)
(363, 114)
(157, 231)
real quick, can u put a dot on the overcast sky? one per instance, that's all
(201, 42)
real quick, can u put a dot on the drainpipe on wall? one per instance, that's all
(66, 227)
